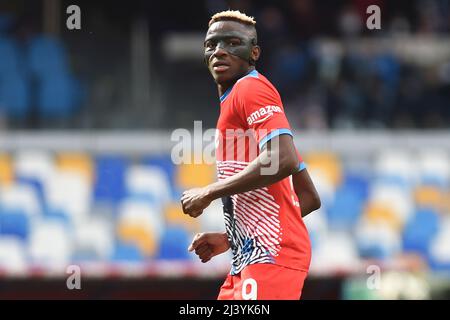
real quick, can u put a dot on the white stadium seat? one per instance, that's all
(148, 180)
(50, 245)
(13, 258)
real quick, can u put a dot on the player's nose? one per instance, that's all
(219, 51)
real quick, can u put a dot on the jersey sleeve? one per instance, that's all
(262, 111)
(301, 163)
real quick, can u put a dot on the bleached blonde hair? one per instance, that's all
(232, 15)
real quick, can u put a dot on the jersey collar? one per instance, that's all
(253, 74)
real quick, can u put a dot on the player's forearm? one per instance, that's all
(276, 167)
(308, 204)
(306, 192)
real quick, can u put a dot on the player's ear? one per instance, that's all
(256, 52)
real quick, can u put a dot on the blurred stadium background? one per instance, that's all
(86, 116)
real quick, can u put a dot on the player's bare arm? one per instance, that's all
(306, 192)
(279, 153)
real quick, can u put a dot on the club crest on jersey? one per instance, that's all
(263, 114)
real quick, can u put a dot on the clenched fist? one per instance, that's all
(194, 201)
(209, 244)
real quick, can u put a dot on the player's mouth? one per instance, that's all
(220, 66)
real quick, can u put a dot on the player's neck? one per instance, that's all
(223, 87)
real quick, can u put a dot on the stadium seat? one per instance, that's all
(70, 194)
(6, 170)
(398, 199)
(420, 231)
(34, 164)
(58, 92)
(194, 175)
(396, 167)
(141, 224)
(386, 67)
(211, 219)
(345, 210)
(10, 59)
(328, 164)
(174, 215)
(446, 203)
(13, 256)
(47, 57)
(164, 162)
(21, 198)
(50, 245)
(335, 252)
(357, 183)
(439, 250)
(109, 182)
(317, 222)
(429, 197)
(58, 97)
(382, 212)
(377, 240)
(127, 252)
(324, 187)
(317, 226)
(138, 235)
(174, 244)
(79, 163)
(38, 188)
(15, 97)
(14, 223)
(94, 239)
(148, 180)
(434, 168)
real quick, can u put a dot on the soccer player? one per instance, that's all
(265, 193)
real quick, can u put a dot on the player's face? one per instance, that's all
(228, 50)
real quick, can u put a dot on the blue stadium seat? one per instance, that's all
(47, 57)
(37, 185)
(387, 67)
(357, 183)
(162, 161)
(14, 95)
(58, 96)
(346, 208)
(377, 241)
(9, 56)
(125, 252)
(59, 216)
(110, 178)
(14, 222)
(174, 244)
(420, 230)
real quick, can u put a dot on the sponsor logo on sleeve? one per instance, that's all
(263, 114)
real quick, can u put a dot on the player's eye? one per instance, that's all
(234, 42)
(210, 44)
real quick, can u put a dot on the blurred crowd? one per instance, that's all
(315, 52)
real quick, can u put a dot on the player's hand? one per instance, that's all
(194, 201)
(209, 244)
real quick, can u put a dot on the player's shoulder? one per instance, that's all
(254, 82)
(256, 86)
